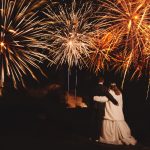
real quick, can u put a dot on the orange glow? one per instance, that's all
(73, 101)
(136, 17)
(2, 44)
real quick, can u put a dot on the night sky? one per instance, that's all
(25, 115)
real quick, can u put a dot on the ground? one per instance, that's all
(36, 126)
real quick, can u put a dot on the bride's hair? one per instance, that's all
(114, 87)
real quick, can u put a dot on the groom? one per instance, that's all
(98, 109)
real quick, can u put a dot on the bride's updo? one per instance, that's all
(114, 87)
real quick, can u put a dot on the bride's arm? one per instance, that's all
(101, 99)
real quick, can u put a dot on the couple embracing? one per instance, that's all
(108, 124)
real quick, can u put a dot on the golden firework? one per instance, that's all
(20, 42)
(130, 20)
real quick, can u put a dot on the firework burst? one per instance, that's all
(129, 19)
(20, 32)
(104, 43)
(69, 33)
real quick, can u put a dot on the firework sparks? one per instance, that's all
(130, 22)
(70, 29)
(20, 33)
(104, 43)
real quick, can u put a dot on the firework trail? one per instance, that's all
(20, 41)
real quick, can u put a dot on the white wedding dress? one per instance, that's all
(114, 127)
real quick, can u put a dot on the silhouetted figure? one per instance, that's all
(98, 109)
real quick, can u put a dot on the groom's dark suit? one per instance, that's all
(98, 109)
